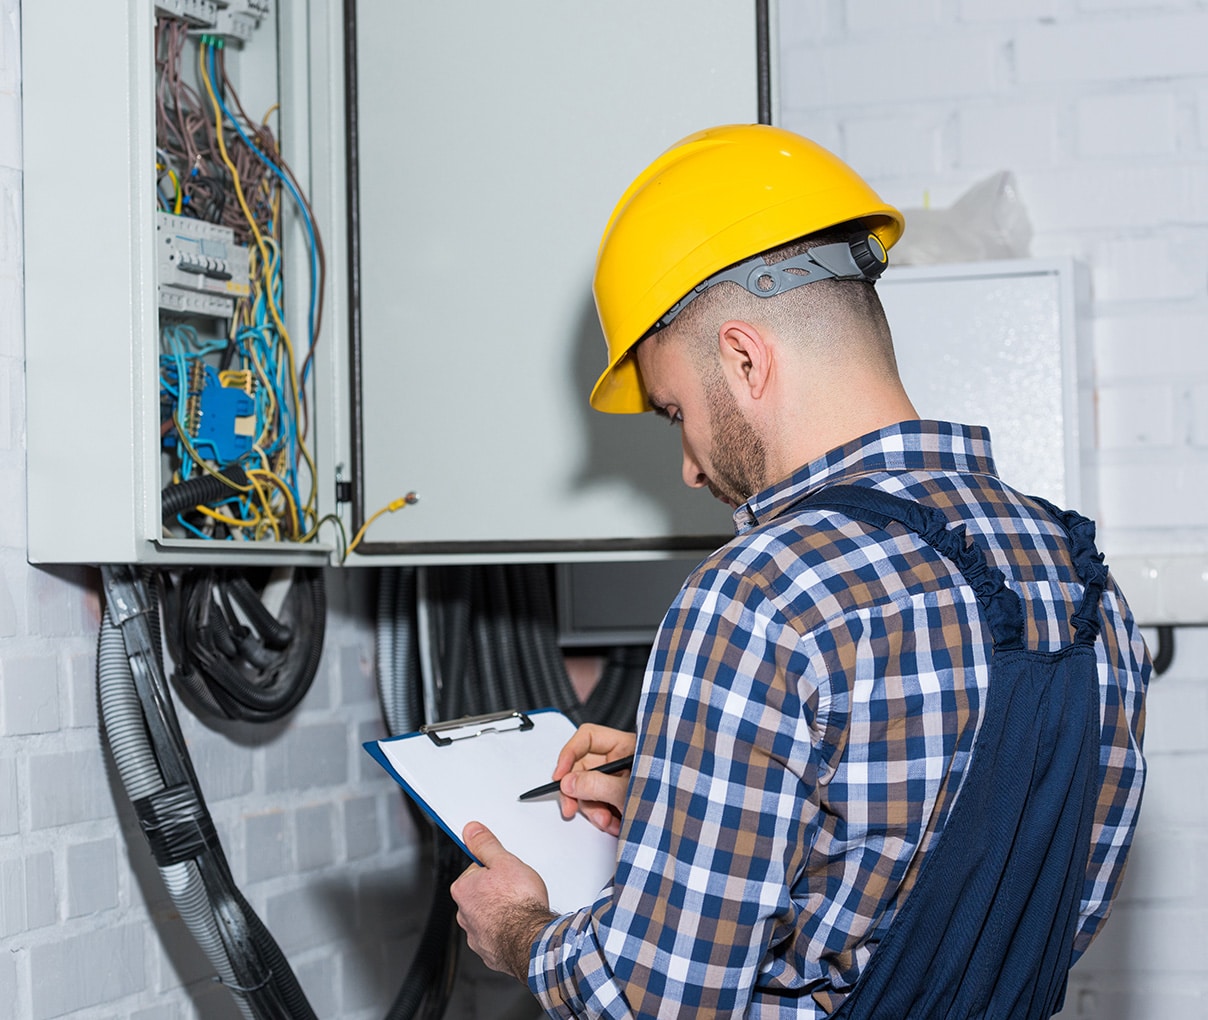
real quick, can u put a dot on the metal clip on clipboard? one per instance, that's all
(443, 734)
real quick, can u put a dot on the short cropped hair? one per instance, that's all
(812, 317)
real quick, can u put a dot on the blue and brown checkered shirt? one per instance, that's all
(808, 715)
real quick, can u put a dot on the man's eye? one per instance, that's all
(674, 418)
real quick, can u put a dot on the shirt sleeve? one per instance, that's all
(714, 828)
(1124, 671)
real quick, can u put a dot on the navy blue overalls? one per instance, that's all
(987, 930)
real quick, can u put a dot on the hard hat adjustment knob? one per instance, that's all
(869, 254)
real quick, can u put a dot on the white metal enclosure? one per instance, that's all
(493, 141)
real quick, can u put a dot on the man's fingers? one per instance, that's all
(592, 739)
(482, 843)
(596, 786)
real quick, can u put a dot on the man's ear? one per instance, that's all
(746, 357)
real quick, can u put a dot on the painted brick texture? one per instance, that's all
(1100, 107)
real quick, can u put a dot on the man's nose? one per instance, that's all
(694, 477)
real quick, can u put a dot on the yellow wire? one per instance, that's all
(269, 516)
(234, 522)
(272, 304)
(334, 519)
(280, 485)
(389, 508)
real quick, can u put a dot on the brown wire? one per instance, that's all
(268, 145)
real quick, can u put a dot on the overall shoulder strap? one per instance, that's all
(1088, 562)
(1002, 607)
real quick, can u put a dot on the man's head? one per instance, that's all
(760, 353)
(757, 385)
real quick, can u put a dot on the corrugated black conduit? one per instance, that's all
(200, 490)
(144, 738)
(428, 983)
(256, 673)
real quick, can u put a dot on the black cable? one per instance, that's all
(614, 699)
(1164, 655)
(503, 627)
(427, 979)
(550, 666)
(763, 62)
(452, 606)
(256, 674)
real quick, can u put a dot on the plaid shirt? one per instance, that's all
(806, 720)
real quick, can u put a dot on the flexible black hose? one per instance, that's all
(200, 490)
(175, 811)
(431, 958)
(1164, 655)
(442, 991)
(275, 634)
(384, 642)
(551, 666)
(613, 700)
(453, 622)
(283, 977)
(526, 644)
(410, 696)
(245, 680)
(625, 711)
(503, 634)
(598, 706)
(488, 692)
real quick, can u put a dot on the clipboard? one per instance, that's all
(475, 768)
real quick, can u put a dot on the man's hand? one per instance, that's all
(600, 797)
(502, 905)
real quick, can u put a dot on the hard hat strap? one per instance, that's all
(863, 258)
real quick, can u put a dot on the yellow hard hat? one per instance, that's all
(713, 199)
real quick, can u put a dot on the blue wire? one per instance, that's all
(200, 534)
(310, 229)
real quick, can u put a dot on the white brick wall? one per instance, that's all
(1100, 107)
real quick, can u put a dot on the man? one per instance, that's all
(888, 756)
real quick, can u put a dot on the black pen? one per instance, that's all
(608, 768)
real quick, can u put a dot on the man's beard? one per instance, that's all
(738, 454)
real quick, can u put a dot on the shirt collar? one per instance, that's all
(906, 446)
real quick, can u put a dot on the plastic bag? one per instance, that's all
(988, 221)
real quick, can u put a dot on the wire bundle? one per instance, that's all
(216, 164)
(235, 658)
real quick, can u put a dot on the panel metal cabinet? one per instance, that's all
(491, 142)
(482, 199)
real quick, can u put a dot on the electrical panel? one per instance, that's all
(345, 304)
(1000, 344)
